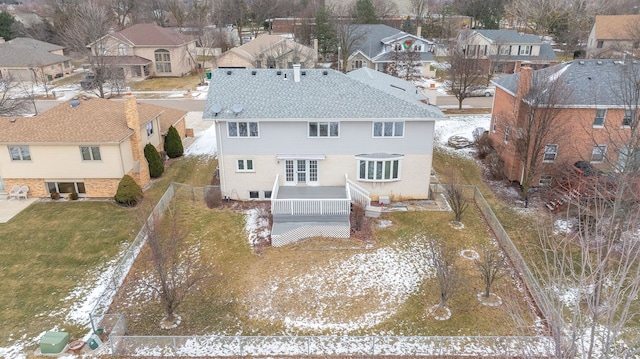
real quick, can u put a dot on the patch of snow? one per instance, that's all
(461, 126)
(205, 143)
(562, 226)
(384, 223)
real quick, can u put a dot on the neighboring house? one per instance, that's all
(595, 113)
(381, 47)
(144, 50)
(269, 52)
(314, 141)
(503, 51)
(614, 36)
(25, 59)
(84, 145)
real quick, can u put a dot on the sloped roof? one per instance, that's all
(390, 84)
(95, 120)
(26, 52)
(265, 43)
(586, 83)
(320, 94)
(370, 42)
(151, 35)
(508, 36)
(616, 27)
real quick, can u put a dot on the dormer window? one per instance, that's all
(525, 50)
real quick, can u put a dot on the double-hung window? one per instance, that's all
(525, 50)
(598, 121)
(550, 153)
(242, 129)
(507, 133)
(545, 181)
(149, 128)
(245, 165)
(19, 153)
(598, 153)
(90, 153)
(388, 129)
(628, 118)
(324, 129)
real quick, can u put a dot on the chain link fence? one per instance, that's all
(122, 344)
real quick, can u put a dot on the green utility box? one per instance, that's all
(53, 342)
(208, 73)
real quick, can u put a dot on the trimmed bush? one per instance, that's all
(55, 195)
(73, 195)
(173, 143)
(156, 166)
(129, 192)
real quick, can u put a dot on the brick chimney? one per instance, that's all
(140, 171)
(419, 31)
(524, 82)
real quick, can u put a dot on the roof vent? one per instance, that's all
(74, 103)
(599, 62)
(229, 72)
(216, 108)
(589, 78)
(303, 73)
(237, 108)
(325, 72)
(254, 72)
(13, 120)
(581, 62)
(278, 73)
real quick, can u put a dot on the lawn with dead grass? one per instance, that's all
(184, 83)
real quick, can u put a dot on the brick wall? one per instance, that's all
(101, 187)
(141, 172)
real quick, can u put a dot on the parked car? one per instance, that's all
(480, 91)
(87, 83)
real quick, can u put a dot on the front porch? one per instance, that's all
(313, 211)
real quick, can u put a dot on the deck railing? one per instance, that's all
(311, 207)
(358, 194)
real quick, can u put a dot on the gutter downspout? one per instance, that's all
(223, 182)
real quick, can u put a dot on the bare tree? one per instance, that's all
(444, 261)
(458, 201)
(235, 12)
(15, 98)
(177, 268)
(491, 266)
(385, 8)
(349, 35)
(123, 10)
(179, 11)
(463, 73)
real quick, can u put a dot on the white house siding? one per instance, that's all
(290, 140)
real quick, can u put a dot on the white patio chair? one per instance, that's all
(24, 190)
(14, 192)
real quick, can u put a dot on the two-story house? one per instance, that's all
(614, 36)
(144, 50)
(269, 52)
(25, 59)
(503, 51)
(84, 145)
(593, 114)
(381, 47)
(314, 141)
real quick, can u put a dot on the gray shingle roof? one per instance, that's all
(370, 44)
(390, 84)
(267, 95)
(509, 36)
(587, 83)
(25, 52)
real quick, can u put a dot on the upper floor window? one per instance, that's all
(324, 129)
(504, 50)
(388, 129)
(545, 181)
(122, 49)
(507, 133)
(356, 64)
(525, 50)
(19, 153)
(418, 48)
(90, 153)
(600, 44)
(163, 61)
(598, 121)
(627, 119)
(597, 155)
(149, 128)
(242, 129)
(397, 46)
(550, 153)
(495, 124)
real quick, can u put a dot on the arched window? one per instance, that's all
(122, 50)
(163, 61)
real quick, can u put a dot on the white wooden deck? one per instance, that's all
(320, 192)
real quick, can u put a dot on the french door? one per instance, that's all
(301, 172)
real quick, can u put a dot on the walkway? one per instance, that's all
(10, 208)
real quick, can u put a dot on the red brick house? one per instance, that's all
(594, 115)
